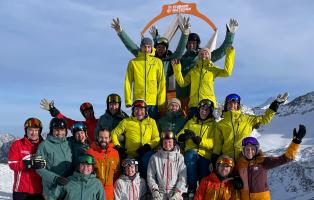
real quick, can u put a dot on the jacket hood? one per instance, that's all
(152, 54)
(206, 64)
(128, 179)
(172, 154)
(83, 178)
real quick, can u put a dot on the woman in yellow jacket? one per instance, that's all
(146, 77)
(253, 165)
(202, 77)
(197, 138)
(140, 133)
(236, 125)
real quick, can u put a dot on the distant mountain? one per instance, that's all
(5, 143)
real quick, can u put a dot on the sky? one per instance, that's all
(66, 51)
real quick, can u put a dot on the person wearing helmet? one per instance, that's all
(86, 110)
(166, 174)
(79, 141)
(161, 45)
(130, 185)
(113, 114)
(219, 184)
(197, 138)
(253, 163)
(83, 184)
(22, 160)
(56, 150)
(107, 161)
(190, 58)
(237, 125)
(174, 119)
(201, 78)
(141, 135)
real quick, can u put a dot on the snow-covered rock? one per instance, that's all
(5, 143)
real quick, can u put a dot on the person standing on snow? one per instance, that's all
(197, 137)
(113, 114)
(201, 78)
(130, 186)
(253, 163)
(166, 174)
(83, 184)
(219, 184)
(236, 125)
(189, 58)
(56, 150)
(86, 109)
(141, 135)
(107, 161)
(22, 160)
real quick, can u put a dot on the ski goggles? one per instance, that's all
(78, 127)
(128, 162)
(114, 99)
(33, 123)
(205, 102)
(162, 40)
(139, 103)
(233, 97)
(225, 161)
(249, 140)
(87, 159)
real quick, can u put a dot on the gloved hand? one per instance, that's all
(281, 98)
(233, 25)
(49, 105)
(121, 151)
(298, 136)
(186, 26)
(197, 140)
(62, 181)
(36, 163)
(115, 24)
(143, 149)
(176, 196)
(237, 183)
(128, 106)
(156, 195)
(154, 32)
(186, 135)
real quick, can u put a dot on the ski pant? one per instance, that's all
(26, 196)
(143, 163)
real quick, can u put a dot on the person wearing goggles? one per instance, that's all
(197, 138)
(83, 184)
(141, 135)
(220, 184)
(237, 125)
(27, 183)
(130, 185)
(201, 78)
(107, 161)
(254, 163)
(86, 110)
(166, 174)
(113, 115)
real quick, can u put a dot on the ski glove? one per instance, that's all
(176, 196)
(154, 32)
(298, 135)
(156, 195)
(115, 24)
(186, 135)
(281, 98)
(62, 181)
(143, 149)
(49, 105)
(233, 25)
(37, 163)
(197, 139)
(237, 183)
(186, 26)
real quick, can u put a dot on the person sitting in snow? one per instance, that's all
(253, 165)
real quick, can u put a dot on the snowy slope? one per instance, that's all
(6, 182)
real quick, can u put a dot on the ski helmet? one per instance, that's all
(78, 126)
(208, 103)
(141, 104)
(113, 98)
(195, 37)
(232, 97)
(162, 40)
(57, 123)
(33, 123)
(129, 161)
(167, 135)
(86, 106)
(250, 141)
(225, 160)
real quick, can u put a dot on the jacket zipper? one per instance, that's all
(199, 84)
(145, 77)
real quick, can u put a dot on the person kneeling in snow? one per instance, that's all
(253, 165)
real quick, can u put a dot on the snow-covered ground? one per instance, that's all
(6, 182)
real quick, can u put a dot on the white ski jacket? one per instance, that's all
(128, 189)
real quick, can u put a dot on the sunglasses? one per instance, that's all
(233, 97)
(249, 140)
(87, 159)
(225, 161)
(114, 99)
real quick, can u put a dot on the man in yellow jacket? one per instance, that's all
(202, 76)
(236, 125)
(198, 139)
(146, 77)
(140, 133)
